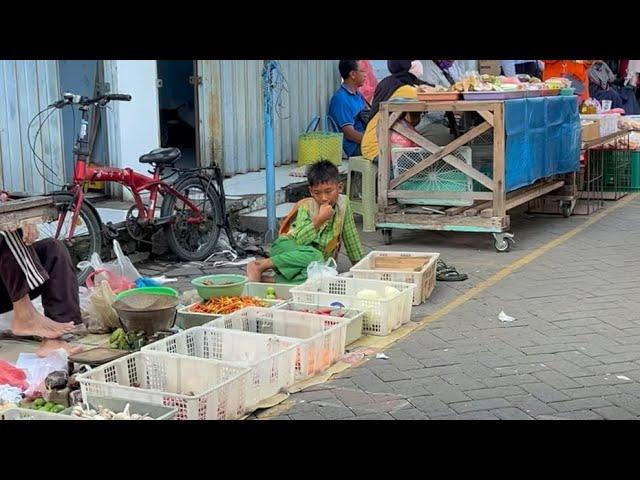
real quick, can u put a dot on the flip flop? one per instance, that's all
(445, 273)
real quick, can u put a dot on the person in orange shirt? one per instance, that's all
(575, 70)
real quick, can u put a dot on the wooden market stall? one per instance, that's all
(476, 211)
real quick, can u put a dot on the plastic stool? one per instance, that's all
(367, 205)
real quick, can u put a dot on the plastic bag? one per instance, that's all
(38, 368)
(96, 305)
(399, 140)
(322, 269)
(120, 273)
(10, 375)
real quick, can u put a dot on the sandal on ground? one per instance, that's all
(446, 273)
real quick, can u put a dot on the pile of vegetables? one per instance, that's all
(106, 414)
(125, 341)
(226, 305)
(44, 406)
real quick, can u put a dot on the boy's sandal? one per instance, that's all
(446, 273)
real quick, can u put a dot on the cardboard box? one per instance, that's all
(608, 122)
(489, 67)
(590, 130)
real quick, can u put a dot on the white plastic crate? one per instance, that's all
(270, 358)
(188, 319)
(200, 389)
(28, 414)
(425, 279)
(259, 289)
(381, 316)
(353, 318)
(321, 338)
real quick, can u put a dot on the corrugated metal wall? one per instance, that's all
(26, 87)
(234, 89)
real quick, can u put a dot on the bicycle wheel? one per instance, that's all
(192, 241)
(87, 237)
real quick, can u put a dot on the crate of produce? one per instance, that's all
(353, 318)
(321, 339)
(121, 409)
(29, 414)
(196, 315)
(418, 268)
(386, 305)
(200, 389)
(270, 358)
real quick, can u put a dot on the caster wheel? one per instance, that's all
(503, 245)
(566, 210)
(386, 235)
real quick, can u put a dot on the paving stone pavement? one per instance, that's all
(572, 353)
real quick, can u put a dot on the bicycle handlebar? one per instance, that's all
(72, 99)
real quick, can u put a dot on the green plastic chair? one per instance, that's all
(366, 205)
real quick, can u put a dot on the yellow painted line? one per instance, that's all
(405, 330)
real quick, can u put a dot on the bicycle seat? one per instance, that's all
(161, 156)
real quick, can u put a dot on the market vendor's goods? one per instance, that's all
(42, 405)
(226, 305)
(220, 285)
(125, 341)
(106, 414)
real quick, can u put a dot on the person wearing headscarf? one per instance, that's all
(400, 84)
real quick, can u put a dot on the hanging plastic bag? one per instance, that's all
(322, 269)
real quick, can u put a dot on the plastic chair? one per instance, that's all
(366, 205)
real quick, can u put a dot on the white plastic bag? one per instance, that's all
(322, 269)
(121, 266)
(38, 368)
(96, 304)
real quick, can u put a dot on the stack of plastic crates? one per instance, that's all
(439, 177)
(270, 358)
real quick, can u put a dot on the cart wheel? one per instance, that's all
(503, 244)
(566, 209)
(386, 235)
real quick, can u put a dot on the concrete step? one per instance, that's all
(257, 221)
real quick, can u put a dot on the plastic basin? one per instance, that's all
(222, 285)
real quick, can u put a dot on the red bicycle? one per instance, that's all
(191, 213)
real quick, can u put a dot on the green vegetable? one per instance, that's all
(58, 408)
(117, 335)
(39, 402)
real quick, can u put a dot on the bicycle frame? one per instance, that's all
(136, 182)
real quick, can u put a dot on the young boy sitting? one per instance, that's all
(312, 230)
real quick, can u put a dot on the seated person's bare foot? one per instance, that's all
(48, 346)
(254, 271)
(37, 325)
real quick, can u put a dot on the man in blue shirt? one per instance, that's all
(347, 103)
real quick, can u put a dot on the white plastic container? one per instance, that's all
(424, 279)
(381, 316)
(321, 339)
(270, 358)
(200, 389)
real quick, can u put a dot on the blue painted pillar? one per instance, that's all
(269, 80)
